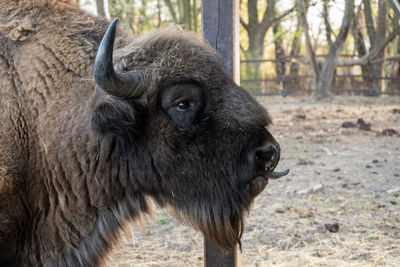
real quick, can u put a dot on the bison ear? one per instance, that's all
(19, 29)
(118, 118)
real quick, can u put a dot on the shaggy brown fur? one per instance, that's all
(77, 163)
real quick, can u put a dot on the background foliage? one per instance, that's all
(312, 44)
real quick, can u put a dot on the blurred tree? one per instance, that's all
(124, 9)
(359, 43)
(396, 7)
(256, 32)
(137, 16)
(335, 50)
(144, 20)
(158, 13)
(296, 42)
(195, 15)
(371, 60)
(184, 12)
(322, 79)
(380, 34)
(325, 16)
(310, 50)
(280, 64)
(100, 8)
(373, 29)
(172, 12)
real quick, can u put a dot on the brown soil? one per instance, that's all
(346, 176)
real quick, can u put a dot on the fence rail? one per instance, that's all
(276, 78)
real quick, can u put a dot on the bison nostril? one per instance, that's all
(266, 156)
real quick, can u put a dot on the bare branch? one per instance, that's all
(242, 48)
(369, 21)
(389, 58)
(328, 28)
(304, 61)
(372, 53)
(268, 16)
(171, 11)
(310, 50)
(282, 15)
(328, 67)
(244, 24)
(396, 7)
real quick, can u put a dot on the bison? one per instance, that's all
(95, 123)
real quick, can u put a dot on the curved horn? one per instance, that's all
(120, 84)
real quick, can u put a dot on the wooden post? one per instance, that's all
(220, 28)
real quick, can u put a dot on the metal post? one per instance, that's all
(220, 28)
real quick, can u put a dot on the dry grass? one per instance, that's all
(355, 168)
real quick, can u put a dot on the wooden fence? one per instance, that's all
(346, 81)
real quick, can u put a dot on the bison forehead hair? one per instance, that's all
(175, 56)
(97, 122)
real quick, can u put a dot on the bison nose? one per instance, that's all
(267, 157)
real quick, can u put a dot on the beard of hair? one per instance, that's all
(221, 222)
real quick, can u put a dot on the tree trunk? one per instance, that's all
(280, 64)
(194, 14)
(329, 65)
(369, 21)
(294, 51)
(310, 51)
(359, 43)
(158, 14)
(256, 32)
(181, 10)
(187, 14)
(380, 35)
(391, 68)
(100, 8)
(370, 25)
(114, 11)
(256, 41)
(325, 15)
(172, 11)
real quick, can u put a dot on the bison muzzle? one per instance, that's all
(81, 157)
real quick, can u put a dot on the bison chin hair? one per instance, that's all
(222, 225)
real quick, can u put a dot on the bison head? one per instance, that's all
(196, 141)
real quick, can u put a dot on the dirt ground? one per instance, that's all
(339, 206)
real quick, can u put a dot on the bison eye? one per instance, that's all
(182, 105)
